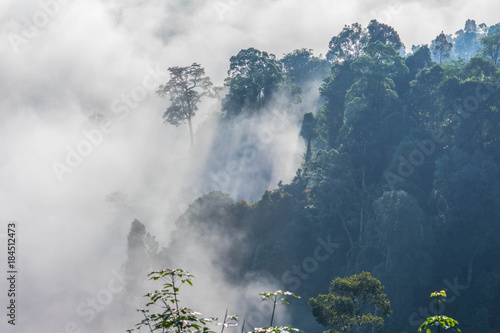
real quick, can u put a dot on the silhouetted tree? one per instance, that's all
(384, 33)
(348, 44)
(441, 47)
(491, 47)
(186, 87)
(308, 132)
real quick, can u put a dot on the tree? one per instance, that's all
(481, 69)
(308, 132)
(301, 66)
(253, 77)
(466, 192)
(186, 87)
(348, 44)
(441, 47)
(399, 238)
(491, 47)
(334, 90)
(370, 104)
(424, 97)
(419, 59)
(384, 33)
(467, 39)
(352, 304)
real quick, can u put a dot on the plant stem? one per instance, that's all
(176, 303)
(224, 323)
(439, 326)
(274, 307)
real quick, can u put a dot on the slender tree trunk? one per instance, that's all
(363, 182)
(191, 131)
(387, 258)
(308, 151)
(346, 228)
(439, 326)
(469, 271)
(361, 223)
(374, 329)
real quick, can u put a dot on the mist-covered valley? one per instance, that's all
(333, 139)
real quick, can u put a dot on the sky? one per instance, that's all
(62, 62)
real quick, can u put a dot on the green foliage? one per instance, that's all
(277, 297)
(385, 34)
(348, 44)
(438, 321)
(253, 78)
(467, 40)
(419, 59)
(352, 304)
(302, 67)
(172, 317)
(435, 127)
(491, 47)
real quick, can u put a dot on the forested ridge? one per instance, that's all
(400, 176)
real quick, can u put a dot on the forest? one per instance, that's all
(400, 176)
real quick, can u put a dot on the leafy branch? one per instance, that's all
(172, 317)
(438, 321)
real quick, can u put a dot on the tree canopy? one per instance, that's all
(352, 305)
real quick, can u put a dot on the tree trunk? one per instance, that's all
(308, 151)
(469, 271)
(360, 223)
(346, 229)
(387, 258)
(363, 182)
(374, 329)
(191, 131)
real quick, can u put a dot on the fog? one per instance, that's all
(67, 65)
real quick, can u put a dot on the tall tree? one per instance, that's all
(352, 305)
(186, 87)
(441, 47)
(384, 33)
(348, 44)
(308, 132)
(467, 39)
(401, 241)
(491, 47)
(253, 77)
(466, 189)
(334, 90)
(423, 102)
